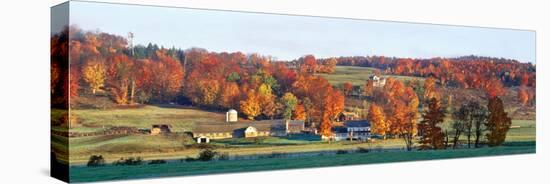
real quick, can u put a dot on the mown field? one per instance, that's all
(358, 76)
(88, 174)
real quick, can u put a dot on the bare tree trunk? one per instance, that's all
(469, 133)
(446, 139)
(132, 91)
(456, 138)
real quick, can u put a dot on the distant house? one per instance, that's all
(378, 81)
(278, 128)
(250, 132)
(352, 130)
(347, 116)
(161, 129)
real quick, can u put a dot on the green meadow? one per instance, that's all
(358, 76)
(89, 174)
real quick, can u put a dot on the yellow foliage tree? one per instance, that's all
(94, 75)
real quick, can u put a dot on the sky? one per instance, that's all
(288, 37)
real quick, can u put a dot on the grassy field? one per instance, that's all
(182, 119)
(87, 174)
(176, 146)
(358, 75)
(522, 130)
(170, 147)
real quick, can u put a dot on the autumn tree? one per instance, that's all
(55, 76)
(498, 122)
(73, 84)
(430, 90)
(94, 74)
(369, 88)
(118, 77)
(299, 112)
(207, 92)
(402, 123)
(347, 88)
(402, 114)
(523, 96)
(328, 65)
(308, 64)
(251, 106)
(289, 102)
(432, 136)
(269, 104)
(494, 88)
(229, 97)
(168, 76)
(378, 120)
(334, 104)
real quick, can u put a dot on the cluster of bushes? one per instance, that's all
(363, 150)
(278, 155)
(339, 152)
(152, 162)
(207, 153)
(96, 161)
(128, 161)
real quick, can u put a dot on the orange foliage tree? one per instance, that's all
(251, 105)
(299, 112)
(494, 88)
(376, 116)
(498, 122)
(118, 77)
(432, 136)
(347, 88)
(523, 96)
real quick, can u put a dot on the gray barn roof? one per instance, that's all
(357, 123)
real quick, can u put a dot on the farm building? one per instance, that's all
(231, 116)
(353, 130)
(161, 129)
(378, 81)
(346, 116)
(249, 129)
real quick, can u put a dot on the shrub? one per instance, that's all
(128, 161)
(96, 161)
(277, 155)
(223, 156)
(207, 154)
(258, 140)
(189, 159)
(157, 162)
(341, 152)
(363, 150)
